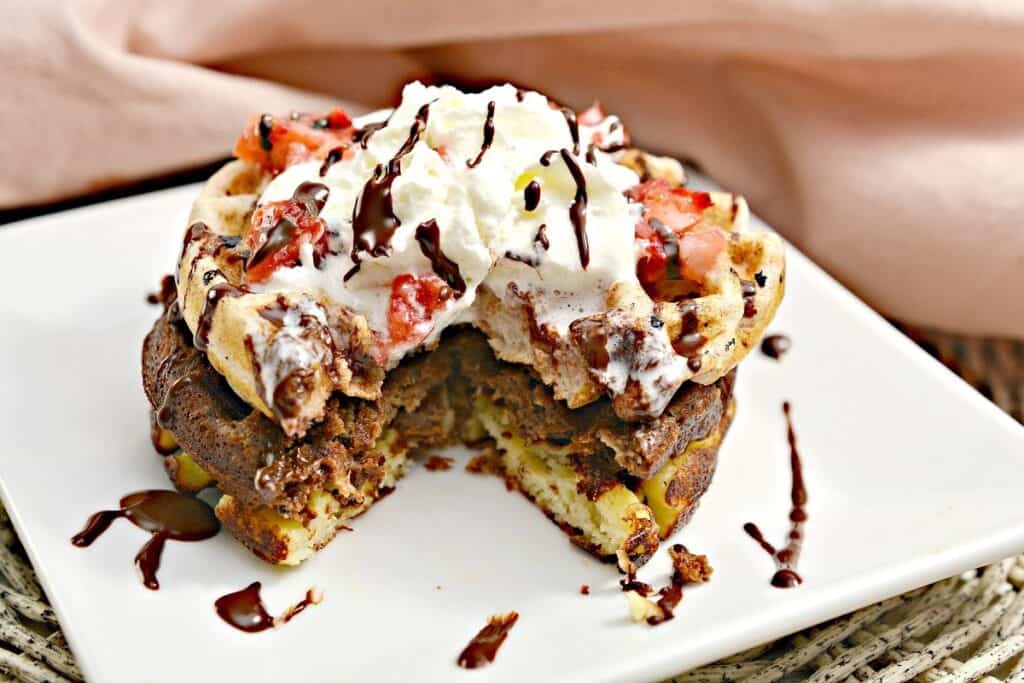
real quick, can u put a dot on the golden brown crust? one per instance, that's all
(427, 401)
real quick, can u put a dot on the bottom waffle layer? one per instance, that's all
(617, 488)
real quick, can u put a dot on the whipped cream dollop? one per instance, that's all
(488, 189)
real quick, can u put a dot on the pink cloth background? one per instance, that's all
(884, 137)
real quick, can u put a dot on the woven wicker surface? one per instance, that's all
(965, 628)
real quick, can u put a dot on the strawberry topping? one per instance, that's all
(277, 231)
(277, 142)
(672, 233)
(414, 301)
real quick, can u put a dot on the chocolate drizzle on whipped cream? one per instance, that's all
(540, 242)
(488, 135)
(578, 208)
(374, 210)
(574, 128)
(429, 237)
(333, 157)
(362, 135)
(531, 196)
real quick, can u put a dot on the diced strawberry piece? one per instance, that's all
(276, 232)
(276, 142)
(676, 207)
(414, 301)
(673, 214)
(652, 264)
(698, 251)
(338, 119)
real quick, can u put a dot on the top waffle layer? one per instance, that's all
(334, 248)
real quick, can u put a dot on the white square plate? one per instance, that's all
(912, 476)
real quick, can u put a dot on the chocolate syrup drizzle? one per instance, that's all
(749, 290)
(531, 196)
(156, 437)
(167, 293)
(245, 610)
(690, 341)
(362, 136)
(483, 648)
(775, 345)
(787, 557)
(214, 295)
(333, 157)
(540, 242)
(574, 128)
(165, 514)
(264, 129)
(374, 211)
(578, 208)
(541, 237)
(429, 236)
(488, 136)
(313, 196)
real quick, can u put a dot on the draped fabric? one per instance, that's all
(884, 138)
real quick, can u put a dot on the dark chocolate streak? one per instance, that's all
(574, 128)
(245, 610)
(429, 236)
(374, 211)
(531, 195)
(787, 557)
(164, 514)
(488, 136)
(578, 208)
(333, 157)
(483, 648)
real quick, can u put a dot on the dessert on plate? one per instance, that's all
(483, 268)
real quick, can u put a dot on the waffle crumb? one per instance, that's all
(689, 567)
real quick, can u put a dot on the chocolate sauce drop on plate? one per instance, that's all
(245, 610)
(775, 345)
(488, 136)
(165, 514)
(483, 648)
(786, 558)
